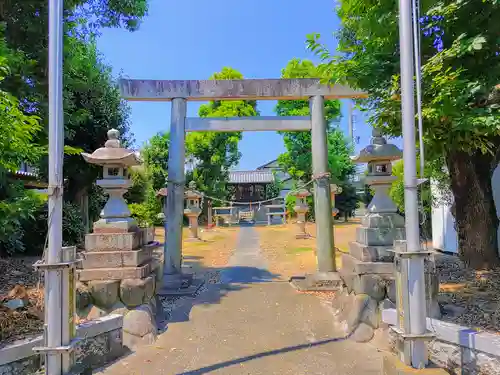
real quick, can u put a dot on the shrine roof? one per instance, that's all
(251, 177)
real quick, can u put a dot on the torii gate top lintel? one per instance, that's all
(244, 89)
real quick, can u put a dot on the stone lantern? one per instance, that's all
(117, 274)
(382, 211)
(115, 160)
(301, 208)
(334, 189)
(192, 210)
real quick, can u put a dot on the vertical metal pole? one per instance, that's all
(68, 302)
(53, 279)
(175, 195)
(418, 79)
(416, 284)
(322, 201)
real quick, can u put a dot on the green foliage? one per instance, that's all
(347, 201)
(215, 153)
(17, 210)
(92, 105)
(140, 185)
(297, 160)
(460, 95)
(273, 189)
(155, 155)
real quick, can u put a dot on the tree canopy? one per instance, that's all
(297, 159)
(460, 98)
(214, 153)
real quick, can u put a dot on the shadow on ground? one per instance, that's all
(236, 361)
(219, 282)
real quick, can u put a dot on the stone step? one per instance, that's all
(113, 241)
(139, 272)
(366, 253)
(116, 259)
(355, 266)
(379, 236)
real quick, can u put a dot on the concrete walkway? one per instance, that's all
(251, 323)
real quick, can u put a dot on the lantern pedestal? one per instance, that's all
(192, 216)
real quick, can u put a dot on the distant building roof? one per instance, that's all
(273, 164)
(251, 177)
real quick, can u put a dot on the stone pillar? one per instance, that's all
(172, 275)
(322, 205)
(301, 208)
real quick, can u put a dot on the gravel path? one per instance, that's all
(248, 322)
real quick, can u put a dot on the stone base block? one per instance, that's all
(379, 236)
(115, 225)
(320, 281)
(373, 285)
(367, 253)
(139, 327)
(355, 266)
(356, 315)
(139, 272)
(135, 292)
(112, 259)
(302, 236)
(393, 366)
(113, 241)
(383, 220)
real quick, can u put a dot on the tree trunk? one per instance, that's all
(475, 214)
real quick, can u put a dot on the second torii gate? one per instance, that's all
(179, 92)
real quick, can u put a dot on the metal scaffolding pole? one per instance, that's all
(53, 281)
(414, 288)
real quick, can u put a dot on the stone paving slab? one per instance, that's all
(251, 323)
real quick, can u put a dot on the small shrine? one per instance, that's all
(192, 210)
(117, 271)
(301, 208)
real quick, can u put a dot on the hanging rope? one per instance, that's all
(231, 203)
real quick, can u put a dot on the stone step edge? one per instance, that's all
(121, 273)
(361, 267)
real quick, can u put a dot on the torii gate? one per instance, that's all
(179, 92)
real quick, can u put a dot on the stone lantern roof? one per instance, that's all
(379, 149)
(302, 193)
(112, 153)
(191, 193)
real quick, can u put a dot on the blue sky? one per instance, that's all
(191, 39)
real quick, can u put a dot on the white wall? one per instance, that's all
(444, 236)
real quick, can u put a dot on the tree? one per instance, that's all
(17, 131)
(460, 99)
(92, 102)
(347, 201)
(155, 156)
(215, 153)
(297, 160)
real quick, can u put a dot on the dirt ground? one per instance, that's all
(288, 256)
(19, 280)
(213, 251)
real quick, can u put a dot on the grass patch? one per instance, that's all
(299, 250)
